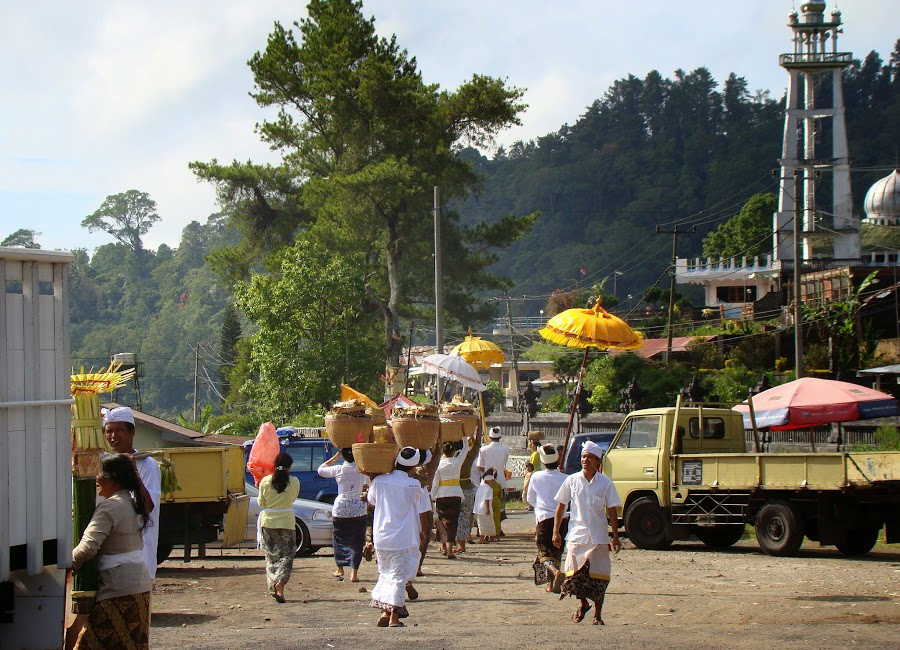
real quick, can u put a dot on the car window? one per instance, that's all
(639, 433)
(712, 427)
(303, 459)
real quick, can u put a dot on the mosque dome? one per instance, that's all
(882, 203)
(813, 11)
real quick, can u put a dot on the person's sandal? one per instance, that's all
(411, 592)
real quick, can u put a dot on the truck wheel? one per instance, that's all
(163, 551)
(859, 541)
(719, 536)
(303, 544)
(779, 529)
(645, 525)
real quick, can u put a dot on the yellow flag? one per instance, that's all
(352, 393)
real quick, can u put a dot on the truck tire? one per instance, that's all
(779, 529)
(304, 547)
(719, 536)
(645, 525)
(859, 541)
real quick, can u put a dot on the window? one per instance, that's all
(712, 428)
(302, 459)
(639, 433)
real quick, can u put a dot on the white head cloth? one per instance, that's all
(592, 448)
(548, 454)
(494, 433)
(119, 414)
(408, 457)
(428, 457)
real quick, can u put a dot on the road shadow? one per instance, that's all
(192, 571)
(173, 619)
(842, 598)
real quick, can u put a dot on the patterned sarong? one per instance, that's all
(279, 544)
(464, 523)
(122, 622)
(588, 570)
(548, 555)
(348, 538)
(447, 517)
(394, 569)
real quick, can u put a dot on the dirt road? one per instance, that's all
(687, 597)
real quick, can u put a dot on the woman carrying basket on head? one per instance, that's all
(447, 493)
(348, 513)
(275, 526)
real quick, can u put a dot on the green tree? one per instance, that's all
(305, 313)
(747, 233)
(364, 140)
(127, 217)
(22, 237)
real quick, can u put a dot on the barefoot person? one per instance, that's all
(592, 499)
(348, 513)
(447, 494)
(396, 532)
(494, 456)
(484, 508)
(541, 494)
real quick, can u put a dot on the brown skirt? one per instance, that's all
(121, 623)
(447, 517)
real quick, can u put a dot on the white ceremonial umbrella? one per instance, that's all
(453, 368)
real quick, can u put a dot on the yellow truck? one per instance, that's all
(211, 485)
(686, 470)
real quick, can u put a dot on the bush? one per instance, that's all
(887, 438)
(558, 403)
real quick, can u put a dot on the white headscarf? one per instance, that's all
(408, 457)
(592, 448)
(548, 454)
(494, 433)
(119, 414)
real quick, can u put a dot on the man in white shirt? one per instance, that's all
(592, 500)
(397, 533)
(542, 490)
(118, 427)
(494, 456)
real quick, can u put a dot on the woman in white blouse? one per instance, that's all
(348, 513)
(447, 494)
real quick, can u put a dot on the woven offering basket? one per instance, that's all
(420, 433)
(535, 436)
(345, 431)
(469, 421)
(451, 429)
(374, 457)
(383, 434)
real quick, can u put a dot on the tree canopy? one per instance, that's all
(747, 233)
(127, 217)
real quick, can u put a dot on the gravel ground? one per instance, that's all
(686, 597)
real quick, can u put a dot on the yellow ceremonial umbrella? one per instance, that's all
(589, 328)
(480, 354)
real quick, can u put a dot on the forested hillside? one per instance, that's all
(650, 151)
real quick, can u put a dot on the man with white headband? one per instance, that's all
(118, 427)
(396, 533)
(542, 490)
(494, 456)
(592, 500)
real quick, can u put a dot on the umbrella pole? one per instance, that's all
(574, 404)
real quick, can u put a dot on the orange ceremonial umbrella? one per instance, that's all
(589, 328)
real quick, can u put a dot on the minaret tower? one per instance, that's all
(815, 115)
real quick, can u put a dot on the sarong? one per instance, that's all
(279, 544)
(447, 517)
(464, 524)
(122, 622)
(486, 525)
(548, 555)
(394, 569)
(588, 570)
(348, 538)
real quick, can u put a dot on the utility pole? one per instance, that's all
(438, 284)
(514, 376)
(798, 262)
(196, 376)
(674, 232)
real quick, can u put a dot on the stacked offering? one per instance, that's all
(462, 412)
(417, 426)
(348, 423)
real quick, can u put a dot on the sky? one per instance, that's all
(102, 97)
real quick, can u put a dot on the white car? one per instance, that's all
(312, 522)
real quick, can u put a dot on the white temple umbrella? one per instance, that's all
(455, 369)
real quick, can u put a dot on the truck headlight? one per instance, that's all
(322, 515)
